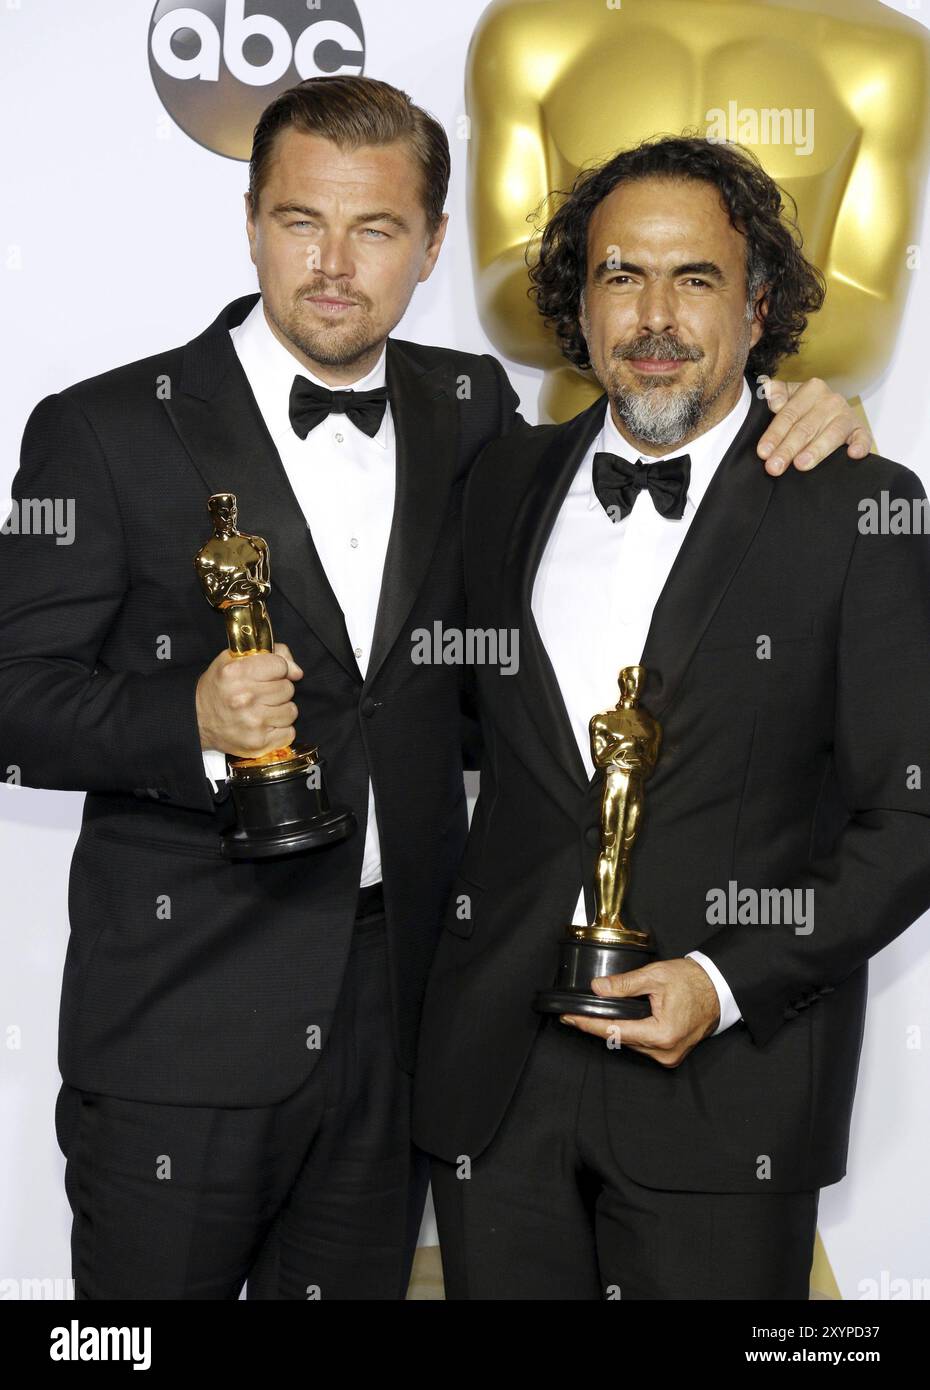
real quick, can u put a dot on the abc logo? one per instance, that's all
(216, 67)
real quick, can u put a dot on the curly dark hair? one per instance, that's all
(756, 208)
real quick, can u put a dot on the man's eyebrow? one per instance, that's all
(382, 215)
(284, 208)
(709, 268)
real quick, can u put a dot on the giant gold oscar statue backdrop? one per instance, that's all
(832, 96)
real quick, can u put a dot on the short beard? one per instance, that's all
(662, 413)
(322, 345)
(658, 415)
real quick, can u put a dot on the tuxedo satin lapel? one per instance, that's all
(730, 513)
(219, 422)
(426, 435)
(549, 744)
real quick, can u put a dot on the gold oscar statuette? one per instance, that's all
(625, 744)
(279, 797)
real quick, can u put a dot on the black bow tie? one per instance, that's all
(310, 404)
(618, 482)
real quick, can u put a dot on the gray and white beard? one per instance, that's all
(663, 413)
(659, 415)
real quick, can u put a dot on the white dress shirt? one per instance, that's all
(344, 483)
(625, 565)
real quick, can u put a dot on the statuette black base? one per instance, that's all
(284, 815)
(580, 962)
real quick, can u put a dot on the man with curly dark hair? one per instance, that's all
(775, 263)
(785, 837)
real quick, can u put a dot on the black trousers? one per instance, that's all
(545, 1212)
(318, 1196)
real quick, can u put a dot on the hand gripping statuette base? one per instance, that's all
(625, 743)
(280, 797)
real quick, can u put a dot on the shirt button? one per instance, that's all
(358, 651)
(354, 543)
(338, 438)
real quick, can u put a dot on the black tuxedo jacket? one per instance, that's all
(791, 771)
(189, 979)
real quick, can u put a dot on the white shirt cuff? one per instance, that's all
(214, 765)
(729, 1009)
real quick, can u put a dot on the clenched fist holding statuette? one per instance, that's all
(280, 799)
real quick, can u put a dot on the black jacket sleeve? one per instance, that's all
(875, 881)
(66, 720)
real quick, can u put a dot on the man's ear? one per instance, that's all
(433, 247)
(583, 316)
(760, 312)
(250, 223)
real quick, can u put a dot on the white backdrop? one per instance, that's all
(119, 235)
